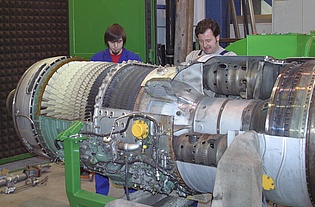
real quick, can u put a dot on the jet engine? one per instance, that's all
(164, 129)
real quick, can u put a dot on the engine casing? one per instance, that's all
(147, 125)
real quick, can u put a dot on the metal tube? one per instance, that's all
(14, 179)
(252, 16)
(129, 147)
(170, 30)
(245, 22)
(234, 19)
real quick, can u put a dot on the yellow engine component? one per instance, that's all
(140, 129)
(267, 183)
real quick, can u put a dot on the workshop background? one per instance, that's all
(161, 32)
(34, 30)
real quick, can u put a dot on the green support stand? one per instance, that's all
(76, 196)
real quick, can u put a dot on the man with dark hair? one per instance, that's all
(208, 32)
(115, 39)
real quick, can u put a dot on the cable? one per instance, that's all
(130, 116)
(126, 178)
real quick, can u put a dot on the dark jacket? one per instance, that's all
(104, 55)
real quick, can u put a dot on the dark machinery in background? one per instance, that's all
(163, 129)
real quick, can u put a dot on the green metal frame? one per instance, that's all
(76, 196)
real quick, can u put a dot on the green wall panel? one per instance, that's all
(89, 20)
(279, 46)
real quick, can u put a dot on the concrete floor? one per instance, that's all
(50, 194)
(53, 192)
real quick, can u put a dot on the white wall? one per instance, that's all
(262, 28)
(293, 16)
(199, 11)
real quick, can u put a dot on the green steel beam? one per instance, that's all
(76, 196)
(16, 158)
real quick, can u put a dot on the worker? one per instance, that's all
(115, 39)
(208, 32)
